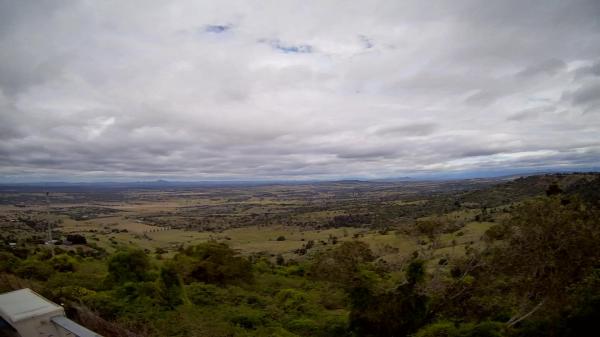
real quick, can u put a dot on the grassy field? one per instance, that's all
(268, 220)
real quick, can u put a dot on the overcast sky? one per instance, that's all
(281, 89)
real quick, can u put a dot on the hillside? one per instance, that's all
(484, 257)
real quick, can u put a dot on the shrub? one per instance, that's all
(125, 266)
(293, 301)
(76, 239)
(34, 269)
(484, 329)
(303, 326)
(213, 263)
(170, 285)
(439, 329)
(247, 318)
(203, 294)
(63, 263)
(342, 264)
(8, 262)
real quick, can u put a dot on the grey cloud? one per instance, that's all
(548, 67)
(414, 129)
(592, 70)
(295, 89)
(587, 95)
(483, 97)
(365, 153)
(530, 113)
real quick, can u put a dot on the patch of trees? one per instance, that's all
(76, 239)
(212, 262)
(350, 220)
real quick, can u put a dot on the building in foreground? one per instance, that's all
(25, 313)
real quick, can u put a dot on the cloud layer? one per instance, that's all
(295, 89)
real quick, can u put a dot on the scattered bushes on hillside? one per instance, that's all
(213, 262)
(535, 274)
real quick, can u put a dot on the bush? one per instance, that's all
(76, 239)
(170, 285)
(342, 264)
(35, 269)
(63, 263)
(213, 263)
(203, 294)
(8, 262)
(450, 329)
(248, 318)
(439, 329)
(129, 266)
(106, 305)
(484, 329)
(293, 301)
(303, 326)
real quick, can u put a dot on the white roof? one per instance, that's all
(23, 304)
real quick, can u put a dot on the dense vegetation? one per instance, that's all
(535, 273)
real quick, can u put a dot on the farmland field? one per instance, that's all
(265, 219)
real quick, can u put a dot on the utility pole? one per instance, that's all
(50, 242)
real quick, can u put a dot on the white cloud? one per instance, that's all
(272, 89)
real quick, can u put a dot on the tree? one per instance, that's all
(170, 285)
(76, 239)
(129, 266)
(400, 312)
(342, 264)
(33, 268)
(523, 277)
(63, 263)
(553, 189)
(213, 262)
(551, 246)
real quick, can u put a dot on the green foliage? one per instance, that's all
(483, 329)
(539, 269)
(399, 312)
(8, 262)
(213, 262)
(77, 239)
(553, 189)
(170, 285)
(63, 263)
(129, 266)
(415, 273)
(204, 294)
(248, 318)
(430, 228)
(294, 301)
(438, 329)
(33, 268)
(550, 247)
(79, 279)
(105, 303)
(450, 329)
(341, 264)
(303, 326)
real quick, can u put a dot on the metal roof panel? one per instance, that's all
(76, 329)
(24, 304)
